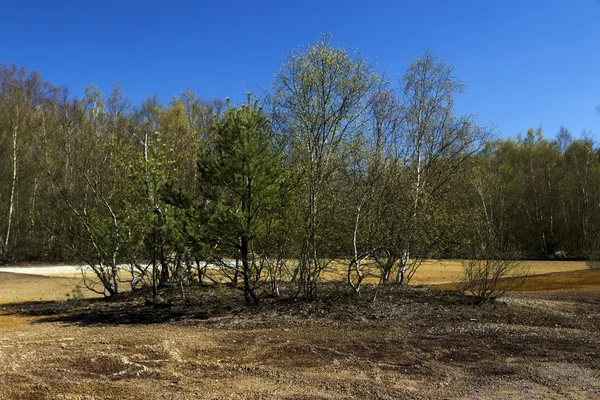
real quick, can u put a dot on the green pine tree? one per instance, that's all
(242, 174)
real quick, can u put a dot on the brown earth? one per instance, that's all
(415, 343)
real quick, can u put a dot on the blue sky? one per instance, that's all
(525, 63)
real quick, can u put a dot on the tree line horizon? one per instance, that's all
(335, 164)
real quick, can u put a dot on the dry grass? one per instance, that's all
(446, 272)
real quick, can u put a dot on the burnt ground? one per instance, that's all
(413, 343)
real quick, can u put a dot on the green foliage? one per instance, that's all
(593, 261)
(76, 294)
(341, 165)
(241, 171)
(242, 176)
(320, 106)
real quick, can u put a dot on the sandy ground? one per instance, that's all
(542, 343)
(58, 282)
(48, 282)
(21, 287)
(433, 272)
(71, 271)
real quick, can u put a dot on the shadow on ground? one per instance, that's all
(124, 309)
(333, 303)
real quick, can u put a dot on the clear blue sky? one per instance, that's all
(525, 63)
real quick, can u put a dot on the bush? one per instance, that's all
(489, 278)
(593, 260)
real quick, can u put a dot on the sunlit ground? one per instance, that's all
(61, 282)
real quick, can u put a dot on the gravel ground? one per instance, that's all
(415, 344)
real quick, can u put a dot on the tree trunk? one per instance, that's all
(12, 192)
(275, 279)
(406, 250)
(355, 262)
(249, 294)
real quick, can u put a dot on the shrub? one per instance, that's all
(593, 260)
(488, 278)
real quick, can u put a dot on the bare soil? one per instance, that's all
(414, 343)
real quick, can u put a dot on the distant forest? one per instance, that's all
(333, 162)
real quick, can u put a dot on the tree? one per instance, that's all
(435, 145)
(91, 187)
(162, 170)
(242, 175)
(23, 96)
(580, 198)
(366, 187)
(535, 169)
(320, 98)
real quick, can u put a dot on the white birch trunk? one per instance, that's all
(13, 186)
(406, 251)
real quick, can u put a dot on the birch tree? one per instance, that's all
(91, 189)
(320, 96)
(366, 189)
(22, 96)
(581, 207)
(437, 143)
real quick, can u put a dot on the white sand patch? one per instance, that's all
(55, 270)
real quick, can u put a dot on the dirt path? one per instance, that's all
(46, 270)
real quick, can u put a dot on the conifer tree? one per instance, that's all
(242, 175)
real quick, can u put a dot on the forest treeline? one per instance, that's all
(335, 163)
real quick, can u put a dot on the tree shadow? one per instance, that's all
(210, 303)
(121, 310)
